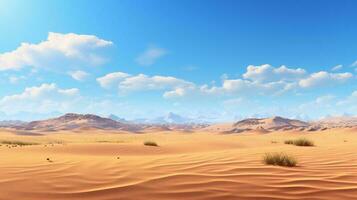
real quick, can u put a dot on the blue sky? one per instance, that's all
(212, 60)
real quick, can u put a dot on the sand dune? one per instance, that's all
(119, 166)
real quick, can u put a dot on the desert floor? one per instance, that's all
(103, 165)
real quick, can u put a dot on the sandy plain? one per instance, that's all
(92, 164)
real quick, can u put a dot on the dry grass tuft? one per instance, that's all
(300, 142)
(280, 159)
(20, 143)
(289, 142)
(151, 143)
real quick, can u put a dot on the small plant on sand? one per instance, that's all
(303, 142)
(300, 142)
(20, 143)
(150, 143)
(280, 159)
(289, 142)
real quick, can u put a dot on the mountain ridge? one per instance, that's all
(73, 121)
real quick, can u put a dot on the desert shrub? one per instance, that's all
(20, 143)
(300, 142)
(289, 142)
(280, 159)
(150, 143)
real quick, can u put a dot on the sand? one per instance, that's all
(108, 165)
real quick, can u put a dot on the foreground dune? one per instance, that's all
(103, 165)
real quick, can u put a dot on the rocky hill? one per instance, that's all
(72, 121)
(264, 125)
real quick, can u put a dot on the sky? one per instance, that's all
(211, 60)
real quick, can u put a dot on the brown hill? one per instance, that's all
(72, 121)
(259, 125)
(273, 123)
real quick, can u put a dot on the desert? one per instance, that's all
(178, 100)
(93, 163)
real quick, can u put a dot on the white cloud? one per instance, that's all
(267, 73)
(172, 86)
(111, 79)
(257, 80)
(178, 92)
(78, 75)
(246, 87)
(150, 56)
(41, 99)
(57, 51)
(144, 82)
(268, 80)
(324, 78)
(336, 68)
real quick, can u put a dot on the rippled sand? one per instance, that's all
(101, 165)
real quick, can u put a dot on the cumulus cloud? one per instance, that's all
(150, 56)
(247, 87)
(78, 75)
(266, 80)
(324, 78)
(144, 82)
(268, 73)
(172, 86)
(40, 99)
(57, 51)
(111, 79)
(178, 92)
(257, 80)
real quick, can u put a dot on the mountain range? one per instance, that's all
(171, 121)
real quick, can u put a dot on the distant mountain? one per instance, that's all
(175, 122)
(262, 125)
(118, 119)
(12, 123)
(337, 121)
(172, 118)
(270, 123)
(72, 121)
(169, 118)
